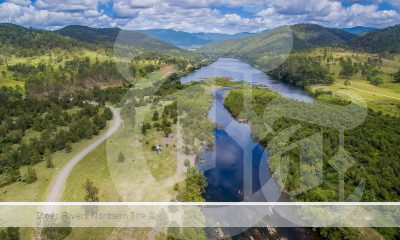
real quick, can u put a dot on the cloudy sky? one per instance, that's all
(226, 16)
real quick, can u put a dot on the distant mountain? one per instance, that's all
(379, 41)
(18, 40)
(186, 39)
(215, 37)
(177, 38)
(108, 36)
(359, 30)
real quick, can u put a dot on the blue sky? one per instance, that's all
(225, 16)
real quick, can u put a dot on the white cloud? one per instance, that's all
(198, 15)
(328, 13)
(30, 15)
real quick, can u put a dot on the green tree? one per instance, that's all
(49, 161)
(31, 175)
(376, 80)
(187, 163)
(10, 233)
(68, 148)
(396, 77)
(155, 116)
(91, 192)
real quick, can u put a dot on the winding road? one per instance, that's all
(58, 184)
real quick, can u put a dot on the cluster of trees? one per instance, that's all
(10, 233)
(194, 187)
(44, 78)
(58, 128)
(373, 145)
(348, 67)
(396, 77)
(302, 70)
(169, 116)
(371, 73)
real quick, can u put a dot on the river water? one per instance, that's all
(237, 166)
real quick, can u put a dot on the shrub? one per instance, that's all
(30, 176)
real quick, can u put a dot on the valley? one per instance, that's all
(111, 115)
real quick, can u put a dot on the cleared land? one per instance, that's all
(385, 97)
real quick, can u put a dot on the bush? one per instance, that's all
(68, 148)
(187, 163)
(30, 176)
(121, 157)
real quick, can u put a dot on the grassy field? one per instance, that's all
(35, 192)
(384, 97)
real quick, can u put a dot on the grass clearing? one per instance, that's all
(384, 97)
(36, 192)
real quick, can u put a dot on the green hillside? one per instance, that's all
(379, 41)
(108, 36)
(304, 36)
(21, 41)
(312, 35)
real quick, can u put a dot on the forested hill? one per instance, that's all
(379, 41)
(304, 36)
(23, 41)
(107, 37)
(313, 35)
(90, 35)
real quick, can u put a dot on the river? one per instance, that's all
(236, 167)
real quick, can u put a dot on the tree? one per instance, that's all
(68, 148)
(155, 116)
(396, 77)
(49, 161)
(348, 68)
(92, 192)
(108, 114)
(121, 157)
(376, 80)
(31, 175)
(187, 163)
(12, 233)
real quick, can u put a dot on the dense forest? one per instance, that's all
(373, 145)
(107, 37)
(385, 40)
(21, 41)
(302, 71)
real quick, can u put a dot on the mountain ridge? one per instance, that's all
(187, 39)
(360, 30)
(379, 41)
(109, 36)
